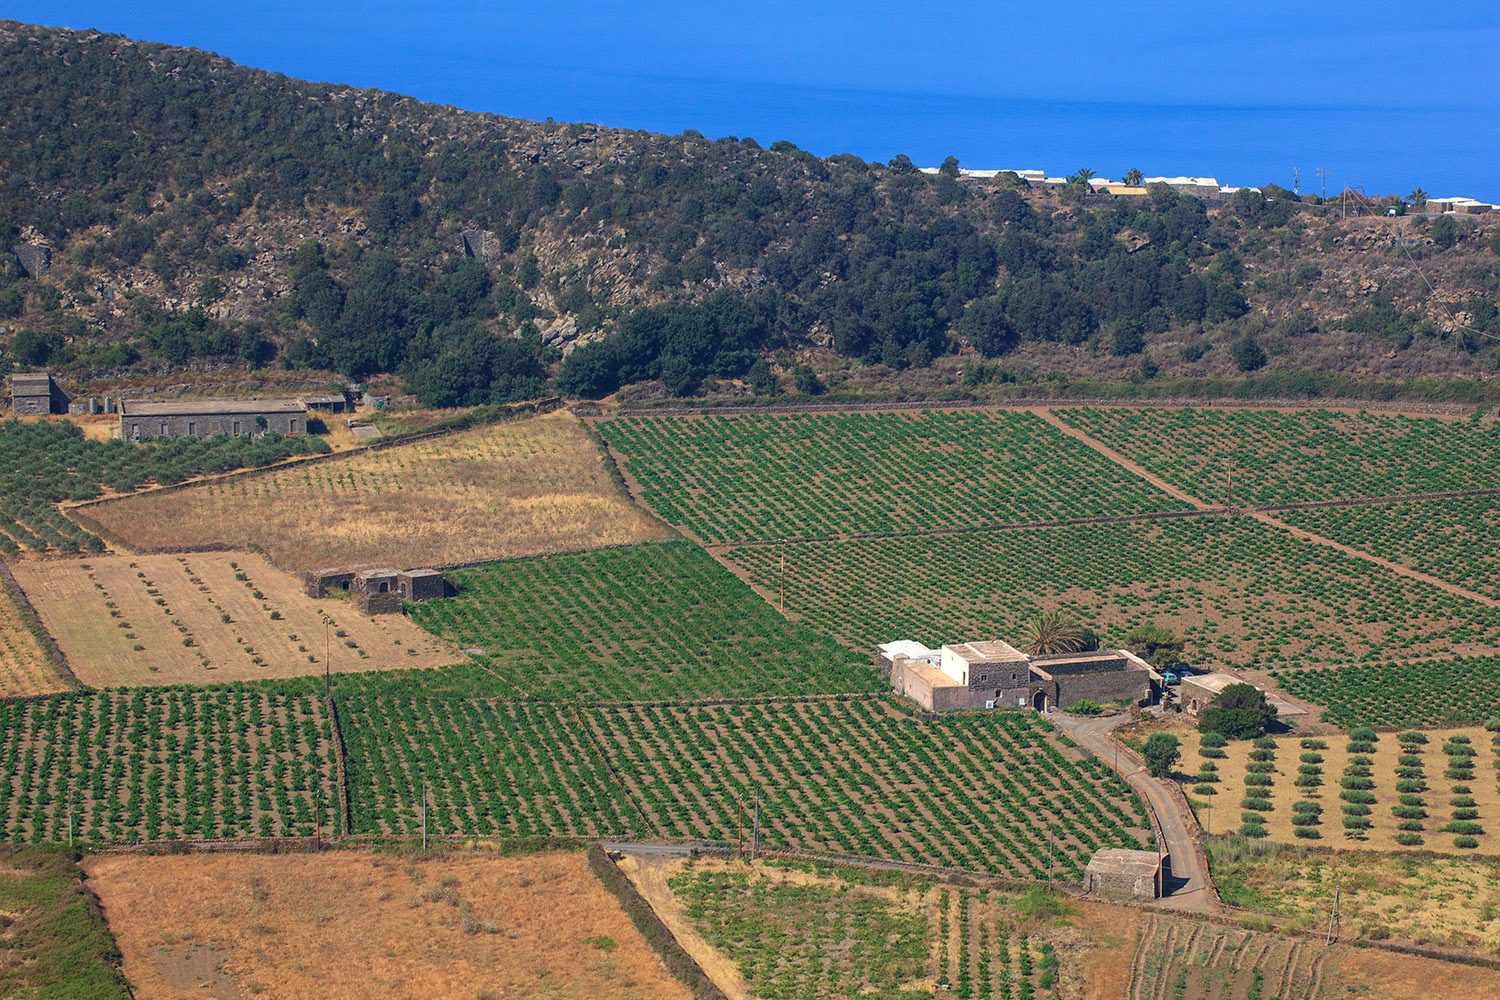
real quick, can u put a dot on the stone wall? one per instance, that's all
(1104, 686)
(1120, 885)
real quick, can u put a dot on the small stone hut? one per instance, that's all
(37, 392)
(1123, 873)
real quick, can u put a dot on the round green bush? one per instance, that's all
(1411, 825)
(1311, 758)
(1205, 790)
(1408, 812)
(1254, 780)
(1469, 842)
(1409, 839)
(1307, 832)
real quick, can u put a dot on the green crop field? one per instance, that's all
(491, 767)
(153, 764)
(993, 793)
(1277, 457)
(1397, 695)
(1241, 592)
(746, 478)
(813, 940)
(44, 463)
(1453, 540)
(648, 621)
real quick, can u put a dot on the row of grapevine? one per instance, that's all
(152, 764)
(1268, 456)
(1242, 593)
(486, 767)
(997, 793)
(1402, 694)
(749, 477)
(660, 621)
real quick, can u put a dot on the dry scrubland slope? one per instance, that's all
(518, 488)
(350, 924)
(209, 617)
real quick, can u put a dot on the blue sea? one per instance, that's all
(1448, 151)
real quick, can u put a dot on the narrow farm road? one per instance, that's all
(1045, 412)
(1452, 588)
(1189, 886)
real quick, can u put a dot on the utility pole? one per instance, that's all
(783, 576)
(327, 655)
(755, 830)
(1297, 180)
(1333, 913)
(1322, 173)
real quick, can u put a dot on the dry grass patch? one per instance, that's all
(356, 925)
(209, 618)
(24, 668)
(525, 487)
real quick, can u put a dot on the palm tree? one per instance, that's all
(1418, 197)
(1133, 177)
(1052, 632)
(1081, 177)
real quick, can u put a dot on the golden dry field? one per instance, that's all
(525, 487)
(353, 926)
(209, 618)
(1441, 798)
(24, 668)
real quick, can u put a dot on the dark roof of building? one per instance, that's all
(38, 381)
(208, 407)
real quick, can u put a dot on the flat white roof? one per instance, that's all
(906, 647)
(987, 651)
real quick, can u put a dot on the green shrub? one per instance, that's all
(1409, 839)
(1467, 842)
(1307, 832)
(1256, 803)
(1408, 812)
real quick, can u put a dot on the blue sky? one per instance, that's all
(1388, 95)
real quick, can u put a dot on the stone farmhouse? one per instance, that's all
(143, 420)
(37, 392)
(994, 674)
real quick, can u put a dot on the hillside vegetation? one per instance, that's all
(210, 217)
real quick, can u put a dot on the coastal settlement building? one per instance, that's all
(994, 674)
(144, 420)
(36, 393)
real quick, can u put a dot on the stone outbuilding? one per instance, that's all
(994, 674)
(421, 584)
(37, 393)
(143, 420)
(1124, 874)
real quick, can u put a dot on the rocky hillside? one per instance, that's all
(164, 211)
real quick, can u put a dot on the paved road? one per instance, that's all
(1187, 883)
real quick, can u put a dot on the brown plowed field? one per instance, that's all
(359, 926)
(209, 618)
(521, 488)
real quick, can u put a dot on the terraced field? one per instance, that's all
(510, 489)
(661, 621)
(1242, 593)
(759, 477)
(1185, 960)
(1269, 456)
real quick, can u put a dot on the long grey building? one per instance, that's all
(145, 420)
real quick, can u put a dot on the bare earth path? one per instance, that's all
(1189, 887)
(1114, 456)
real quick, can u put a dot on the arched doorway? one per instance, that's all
(1039, 701)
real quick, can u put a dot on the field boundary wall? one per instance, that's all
(1029, 402)
(346, 826)
(678, 962)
